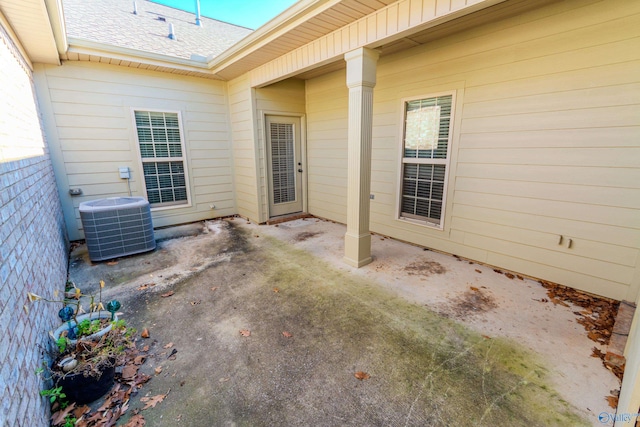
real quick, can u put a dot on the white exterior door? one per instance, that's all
(285, 165)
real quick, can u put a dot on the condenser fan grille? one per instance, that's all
(116, 227)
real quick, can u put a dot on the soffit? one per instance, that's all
(464, 23)
(30, 21)
(324, 22)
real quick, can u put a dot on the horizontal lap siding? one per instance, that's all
(241, 105)
(545, 142)
(327, 110)
(88, 108)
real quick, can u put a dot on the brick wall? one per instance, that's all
(33, 247)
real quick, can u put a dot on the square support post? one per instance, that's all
(361, 79)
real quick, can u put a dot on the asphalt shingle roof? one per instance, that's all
(113, 22)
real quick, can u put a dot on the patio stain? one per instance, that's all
(470, 303)
(305, 235)
(449, 374)
(425, 268)
(426, 370)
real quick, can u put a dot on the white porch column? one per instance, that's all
(361, 78)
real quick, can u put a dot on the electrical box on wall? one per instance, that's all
(124, 173)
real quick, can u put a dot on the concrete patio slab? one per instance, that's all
(443, 341)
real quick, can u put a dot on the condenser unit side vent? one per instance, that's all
(117, 226)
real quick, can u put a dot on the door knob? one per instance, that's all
(299, 170)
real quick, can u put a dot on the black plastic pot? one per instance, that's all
(85, 389)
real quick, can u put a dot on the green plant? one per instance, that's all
(62, 344)
(54, 394)
(88, 327)
(69, 421)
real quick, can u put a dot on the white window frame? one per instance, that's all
(142, 160)
(446, 162)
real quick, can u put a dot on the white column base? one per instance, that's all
(357, 249)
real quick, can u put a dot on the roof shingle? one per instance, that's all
(113, 22)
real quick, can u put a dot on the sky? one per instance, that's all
(247, 13)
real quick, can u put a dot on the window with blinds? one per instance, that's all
(162, 153)
(426, 140)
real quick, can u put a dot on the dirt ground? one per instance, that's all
(267, 326)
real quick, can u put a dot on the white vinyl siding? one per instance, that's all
(163, 162)
(87, 111)
(425, 148)
(544, 144)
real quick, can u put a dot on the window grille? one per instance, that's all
(426, 140)
(162, 153)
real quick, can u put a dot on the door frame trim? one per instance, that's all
(264, 177)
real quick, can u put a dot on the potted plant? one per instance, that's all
(88, 346)
(74, 314)
(86, 370)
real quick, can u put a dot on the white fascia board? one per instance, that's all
(88, 47)
(58, 27)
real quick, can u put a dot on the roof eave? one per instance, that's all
(102, 50)
(58, 27)
(291, 17)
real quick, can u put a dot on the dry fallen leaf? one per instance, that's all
(108, 404)
(287, 334)
(145, 348)
(362, 375)
(139, 360)
(158, 370)
(478, 271)
(129, 371)
(151, 402)
(58, 417)
(473, 288)
(78, 412)
(145, 333)
(224, 380)
(276, 290)
(168, 345)
(214, 288)
(559, 302)
(613, 401)
(245, 332)
(167, 294)
(136, 421)
(195, 302)
(112, 263)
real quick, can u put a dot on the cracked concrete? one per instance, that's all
(446, 342)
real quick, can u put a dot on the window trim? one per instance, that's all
(446, 162)
(185, 161)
